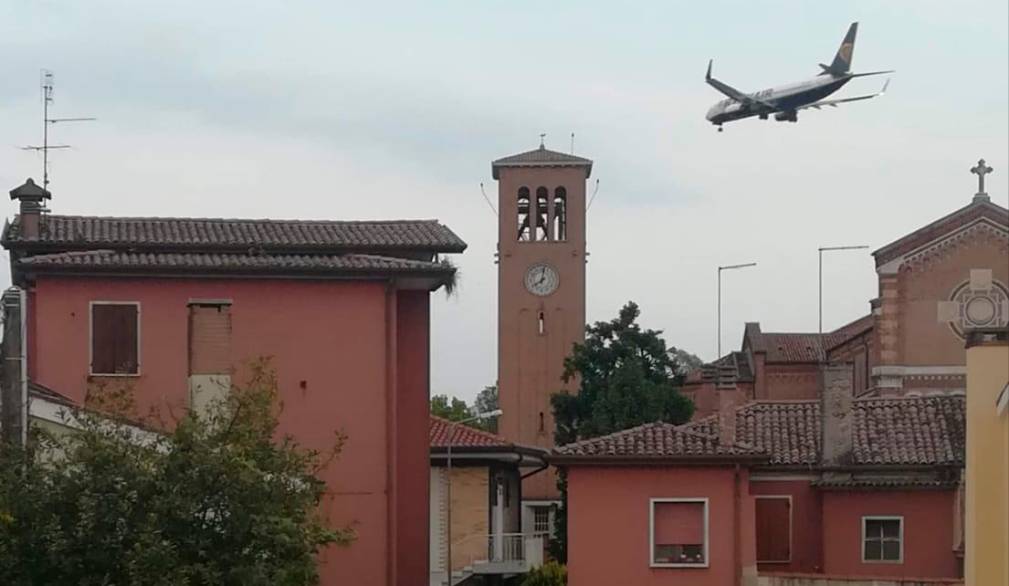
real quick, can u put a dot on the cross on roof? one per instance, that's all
(542, 138)
(981, 169)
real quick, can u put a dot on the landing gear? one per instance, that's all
(720, 129)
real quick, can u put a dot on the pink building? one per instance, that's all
(174, 307)
(773, 487)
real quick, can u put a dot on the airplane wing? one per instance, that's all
(834, 103)
(732, 92)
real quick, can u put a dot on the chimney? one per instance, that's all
(31, 197)
(836, 398)
(727, 391)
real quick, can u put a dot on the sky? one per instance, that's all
(390, 110)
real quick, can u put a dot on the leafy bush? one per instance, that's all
(549, 574)
(218, 500)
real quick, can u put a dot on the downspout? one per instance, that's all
(392, 562)
(737, 563)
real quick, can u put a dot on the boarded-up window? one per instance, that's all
(774, 527)
(678, 532)
(115, 337)
(209, 338)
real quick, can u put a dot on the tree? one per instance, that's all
(685, 361)
(453, 409)
(218, 499)
(627, 376)
(485, 402)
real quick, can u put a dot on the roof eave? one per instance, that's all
(684, 460)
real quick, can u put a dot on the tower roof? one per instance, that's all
(542, 157)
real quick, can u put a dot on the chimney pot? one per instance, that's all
(31, 197)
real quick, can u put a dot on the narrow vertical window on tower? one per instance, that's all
(560, 214)
(542, 203)
(542, 326)
(523, 214)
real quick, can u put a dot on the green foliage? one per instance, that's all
(485, 402)
(219, 500)
(627, 376)
(685, 361)
(549, 574)
(453, 409)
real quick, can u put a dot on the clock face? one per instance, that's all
(541, 279)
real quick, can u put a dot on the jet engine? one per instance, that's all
(790, 115)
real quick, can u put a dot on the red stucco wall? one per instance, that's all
(807, 529)
(329, 344)
(928, 532)
(608, 524)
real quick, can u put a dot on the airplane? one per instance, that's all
(785, 101)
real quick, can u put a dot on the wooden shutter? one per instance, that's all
(209, 339)
(114, 337)
(679, 523)
(774, 525)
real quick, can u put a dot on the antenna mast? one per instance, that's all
(47, 98)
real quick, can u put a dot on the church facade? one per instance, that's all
(936, 283)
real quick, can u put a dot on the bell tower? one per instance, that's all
(541, 292)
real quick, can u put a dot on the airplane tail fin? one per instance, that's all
(842, 59)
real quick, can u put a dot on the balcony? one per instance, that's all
(506, 554)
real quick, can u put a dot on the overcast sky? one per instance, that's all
(375, 110)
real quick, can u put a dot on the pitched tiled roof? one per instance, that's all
(907, 431)
(441, 432)
(654, 440)
(108, 260)
(883, 483)
(542, 157)
(802, 347)
(218, 235)
(928, 430)
(787, 431)
(977, 210)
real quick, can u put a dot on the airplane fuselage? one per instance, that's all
(783, 100)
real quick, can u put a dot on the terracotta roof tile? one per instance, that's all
(907, 431)
(654, 440)
(541, 157)
(216, 234)
(927, 430)
(108, 260)
(462, 436)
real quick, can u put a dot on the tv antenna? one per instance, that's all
(47, 99)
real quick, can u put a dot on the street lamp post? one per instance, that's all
(720, 269)
(821, 250)
(448, 456)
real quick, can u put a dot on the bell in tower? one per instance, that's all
(541, 294)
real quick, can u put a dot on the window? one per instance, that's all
(542, 198)
(883, 539)
(541, 520)
(541, 328)
(523, 214)
(679, 533)
(560, 214)
(774, 529)
(115, 338)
